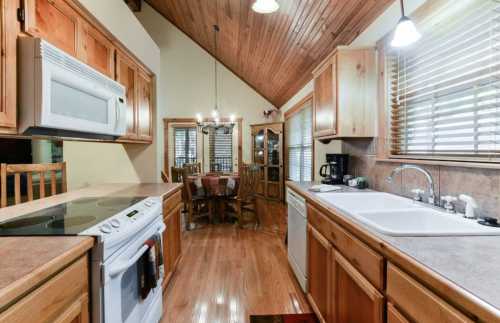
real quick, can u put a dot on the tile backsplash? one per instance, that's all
(482, 184)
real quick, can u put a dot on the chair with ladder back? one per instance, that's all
(25, 178)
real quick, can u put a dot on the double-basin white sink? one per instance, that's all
(398, 216)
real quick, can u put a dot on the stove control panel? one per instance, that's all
(127, 221)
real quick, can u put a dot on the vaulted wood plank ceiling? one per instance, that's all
(273, 53)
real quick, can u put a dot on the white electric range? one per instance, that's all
(121, 226)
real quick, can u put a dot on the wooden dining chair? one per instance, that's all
(28, 171)
(164, 177)
(197, 205)
(245, 200)
(176, 173)
(194, 168)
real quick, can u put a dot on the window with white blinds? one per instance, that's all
(220, 150)
(444, 91)
(185, 146)
(300, 144)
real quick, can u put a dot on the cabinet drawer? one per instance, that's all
(362, 257)
(47, 302)
(418, 302)
(172, 202)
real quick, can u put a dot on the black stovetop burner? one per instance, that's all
(68, 218)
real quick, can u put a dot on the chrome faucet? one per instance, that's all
(432, 196)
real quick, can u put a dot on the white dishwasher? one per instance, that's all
(297, 236)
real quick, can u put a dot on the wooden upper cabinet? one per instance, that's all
(318, 269)
(354, 299)
(325, 103)
(8, 34)
(144, 106)
(345, 95)
(55, 21)
(126, 75)
(96, 50)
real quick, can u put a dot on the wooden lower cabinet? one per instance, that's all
(354, 299)
(394, 316)
(62, 299)
(319, 251)
(171, 237)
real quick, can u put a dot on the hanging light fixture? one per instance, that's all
(406, 33)
(215, 123)
(265, 6)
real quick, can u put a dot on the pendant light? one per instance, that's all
(216, 122)
(265, 6)
(406, 33)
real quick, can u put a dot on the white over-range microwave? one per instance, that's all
(61, 96)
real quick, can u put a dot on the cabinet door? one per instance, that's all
(274, 163)
(96, 50)
(55, 21)
(144, 107)
(394, 316)
(355, 299)
(126, 75)
(8, 34)
(325, 101)
(319, 253)
(171, 242)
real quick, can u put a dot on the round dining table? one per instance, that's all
(217, 188)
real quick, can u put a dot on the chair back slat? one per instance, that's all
(248, 181)
(176, 174)
(53, 182)
(18, 170)
(164, 177)
(17, 188)
(42, 184)
(29, 186)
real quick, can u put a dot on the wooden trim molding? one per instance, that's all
(298, 106)
(168, 122)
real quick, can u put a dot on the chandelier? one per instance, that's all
(216, 122)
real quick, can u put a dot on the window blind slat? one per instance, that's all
(185, 146)
(445, 92)
(299, 143)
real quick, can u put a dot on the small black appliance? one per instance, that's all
(335, 168)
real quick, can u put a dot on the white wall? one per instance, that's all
(186, 86)
(92, 163)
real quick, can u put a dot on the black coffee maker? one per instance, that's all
(334, 169)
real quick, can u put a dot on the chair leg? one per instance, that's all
(190, 217)
(239, 213)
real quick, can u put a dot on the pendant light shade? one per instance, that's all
(265, 6)
(406, 33)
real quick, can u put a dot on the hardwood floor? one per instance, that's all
(227, 273)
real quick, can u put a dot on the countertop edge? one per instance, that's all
(433, 280)
(40, 275)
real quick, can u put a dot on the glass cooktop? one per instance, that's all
(68, 218)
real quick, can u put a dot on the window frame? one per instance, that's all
(185, 147)
(297, 108)
(422, 16)
(169, 123)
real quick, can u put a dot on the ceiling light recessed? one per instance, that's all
(265, 6)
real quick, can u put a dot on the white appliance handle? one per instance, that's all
(132, 260)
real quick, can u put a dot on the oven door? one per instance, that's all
(122, 301)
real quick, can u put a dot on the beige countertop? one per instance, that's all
(26, 262)
(464, 268)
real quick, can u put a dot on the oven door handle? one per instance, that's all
(132, 260)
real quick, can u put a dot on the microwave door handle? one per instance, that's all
(132, 260)
(117, 113)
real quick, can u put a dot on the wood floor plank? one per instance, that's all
(227, 274)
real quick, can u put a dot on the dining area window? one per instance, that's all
(185, 150)
(220, 150)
